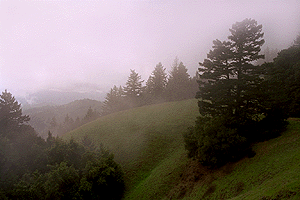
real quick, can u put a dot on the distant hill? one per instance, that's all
(57, 97)
(148, 143)
(40, 117)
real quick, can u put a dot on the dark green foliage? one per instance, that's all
(102, 178)
(114, 101)
(216, 142)
(11, 117)
(235, 100)
(133, 90)
(20, 146)
(283, 79)
(180, 85)
(32, 168)
(229, 80)
(156, 85)
(72, 173)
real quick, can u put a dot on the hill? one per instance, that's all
(148, 143)
(142, 138)
(40, 117)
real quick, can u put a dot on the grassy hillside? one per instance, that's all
(142, 138)
(148, 143)
(274, 173)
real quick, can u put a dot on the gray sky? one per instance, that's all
(78, 44)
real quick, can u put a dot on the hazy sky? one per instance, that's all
(72, 44)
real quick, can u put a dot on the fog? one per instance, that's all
(92, 45)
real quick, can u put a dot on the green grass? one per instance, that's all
(148, 143)
(142, 138)
(274, 173)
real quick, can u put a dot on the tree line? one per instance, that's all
(241, 103)
(59, 128)
(34, 168)
(160, 87)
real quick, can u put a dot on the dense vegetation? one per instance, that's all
(241, 103)
(32, 168)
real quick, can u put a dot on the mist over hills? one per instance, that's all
(40, 117)
(57, 97)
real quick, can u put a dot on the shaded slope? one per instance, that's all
(274, 173)
(143, 137)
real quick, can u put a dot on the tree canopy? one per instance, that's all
(232, 95)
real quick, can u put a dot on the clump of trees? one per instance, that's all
(33, 168)
(160, 87)
(68, 123)
(241, 103)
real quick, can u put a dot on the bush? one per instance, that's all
(214, 144)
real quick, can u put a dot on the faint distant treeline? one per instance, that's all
(69, 123)
(160, 87)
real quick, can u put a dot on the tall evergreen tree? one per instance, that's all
(179, 84)
(156, 84)
(229, 79)
(283, 80)
(11, 117)
(230, 98)
(133, 89)
(114, 101)
(90, 115)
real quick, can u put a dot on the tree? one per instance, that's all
(179, 84)
(156, 84)
(283, 80)
(114, 101)
(133, 89)
(229, 79)
(230, 97)
(11, 116)
(90, 115)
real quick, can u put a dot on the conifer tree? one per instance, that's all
(114, 101)
(156, 84)
(11, 117)
(133, 89)
(230, 100)
(179, 84)
(229, 79)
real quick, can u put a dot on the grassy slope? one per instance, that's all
(143, 139)
(147, 141)
(274, 173)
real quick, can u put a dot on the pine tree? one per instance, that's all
(156, 84)
(230, 98)
(283, 80)
(133, 89)
(179, 84)
(90, 115)
(11, 117)
(229, 79)
(114, 101)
